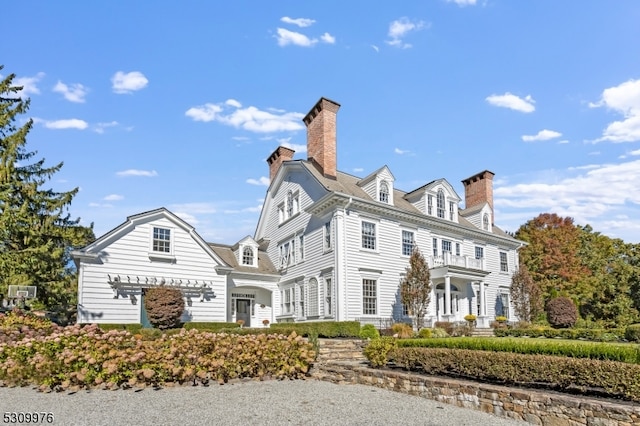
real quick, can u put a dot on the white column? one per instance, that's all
(447, 295)
(483, 300)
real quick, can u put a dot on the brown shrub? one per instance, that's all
(562, 312)
(164, 307)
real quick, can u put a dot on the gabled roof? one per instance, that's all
(372, 176)
(433, 184)
(93, 249)
(225, 252)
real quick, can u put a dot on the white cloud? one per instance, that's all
(113, 197)
(136, 172)
(72, 93)
(286, 37)
(233, 103)
(301, 22)
(298, 148)
(250, 118)
(511, 101)
(358, 170)
(29, 85)
(625, 100)
(128, 82)
(328, 38)
(101, 205)
(263, 181)
(591, 194)
(99, 128)
(71, 123)
(374, 47)
(543, 135)
(399, 28)
(400, 151)
(463, 3)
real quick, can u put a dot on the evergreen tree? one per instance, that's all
(36, 231)
(415, 287)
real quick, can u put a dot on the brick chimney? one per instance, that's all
(478, 189)
(321, 136)
(275, 160)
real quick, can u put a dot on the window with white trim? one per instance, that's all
(384, 192)
(430, 205)
(368, 235)
(247, 256)
(327, 239)
(408, 243)
(504, 265)
(479, 252)
(328, 297)
(313, 298)
(289, 204)
(485, 222)
(369, 296)
(452, 210)
(440, 203)
(457, 249)
(301, 311)
(502, 305)
(161, 240)
(435, 247)
(446, 246)
(300, 248)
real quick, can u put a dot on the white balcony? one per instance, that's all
(449, 259)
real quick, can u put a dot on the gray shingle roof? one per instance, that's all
(225, 252)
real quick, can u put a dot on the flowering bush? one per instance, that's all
(18, 324)
(84, 357)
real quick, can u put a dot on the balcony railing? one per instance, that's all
(449, 259)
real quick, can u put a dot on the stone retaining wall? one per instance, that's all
(533, 406)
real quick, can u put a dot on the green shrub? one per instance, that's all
(402, 330)
(446, 326)
(326, 329)
(164, 306)
(368, 331)
(377, 351)
(131, 328)
(425, 333)
(209, 326)
(439, 332)
(561, 312)
(632, 333)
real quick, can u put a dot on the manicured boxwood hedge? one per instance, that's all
(209, 326)
(603, 335)
(606, 378)
(629, 353)
(320, 328)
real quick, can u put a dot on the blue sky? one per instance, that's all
(178, 104)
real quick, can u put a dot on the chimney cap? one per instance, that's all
(323, 103)
(485, 174)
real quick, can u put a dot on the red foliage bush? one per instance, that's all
(164, 307)
(562, 312)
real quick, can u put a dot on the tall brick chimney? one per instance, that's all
(321, 136)
(478, 189)
(275, 160)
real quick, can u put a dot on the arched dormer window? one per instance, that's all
(485, 222)
(440, 203)
(247, 256)
(384, 192)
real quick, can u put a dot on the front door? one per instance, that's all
(243, 311)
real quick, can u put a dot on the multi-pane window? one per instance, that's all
(162, 240)
(435, 247)
(369, 297)
(384, 192)
(328, 299)
(287, 298)
(479, 252)
(451, 210)
(312, 311)
(430, 205)
(504, 266)
(247, 256)
(289, 204)
(300, 253)
(408, 243)
(457, 249)
(301, 312)
(369, 235)
(446, 246)
(440, 203)
(502, 307)
(327, 236)
(485, 222)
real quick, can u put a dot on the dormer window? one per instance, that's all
(384, 192)
(485, 222)
(289, 204)
(161, 240)
(440, 204)
(247, 256)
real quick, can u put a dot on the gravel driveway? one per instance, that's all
(297, 402)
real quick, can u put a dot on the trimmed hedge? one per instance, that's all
(596, 334)
(209, 326)
(610, 378)
(578, 349)
(327, 329)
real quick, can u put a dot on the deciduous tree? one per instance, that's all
(415, 287)
(526, 295)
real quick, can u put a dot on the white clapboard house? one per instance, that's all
(328, 246)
